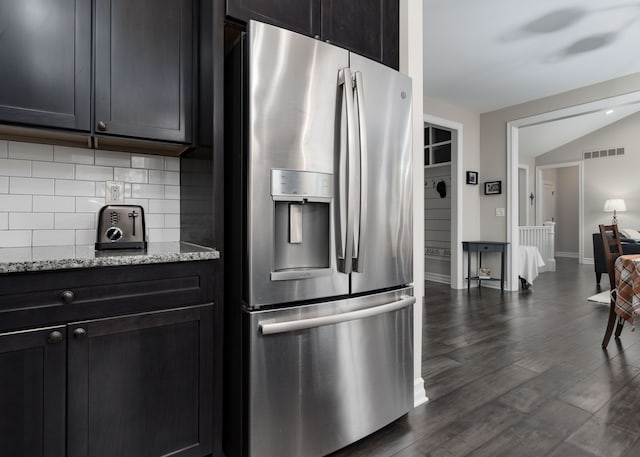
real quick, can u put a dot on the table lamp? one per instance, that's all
(614, 204)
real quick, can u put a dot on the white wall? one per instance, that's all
(469, 156)
(493, 139)
(50, 195)
(411, 64)
(606, 177)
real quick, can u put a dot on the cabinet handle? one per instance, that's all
(67, 296)
(79, 333)
(55, 337)
(102, 126)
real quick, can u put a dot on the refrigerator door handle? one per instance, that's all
(346, 179)
(303, 324)
(360, 231)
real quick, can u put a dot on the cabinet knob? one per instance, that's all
(79, 333)
(102, 126)
(67, 296)
(55, 337)
(328, 41)
(317, 37)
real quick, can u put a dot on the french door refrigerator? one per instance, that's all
(318, 312)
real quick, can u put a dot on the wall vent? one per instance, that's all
(603, 153)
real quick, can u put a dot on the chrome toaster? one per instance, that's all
(121, 227)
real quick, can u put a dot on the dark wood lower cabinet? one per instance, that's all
(141, 385)
(136, 385)
(32, 393)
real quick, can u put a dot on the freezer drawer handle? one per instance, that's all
(292, 326)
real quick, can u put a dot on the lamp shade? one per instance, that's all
(615, 204)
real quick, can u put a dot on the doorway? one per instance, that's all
(443, 214)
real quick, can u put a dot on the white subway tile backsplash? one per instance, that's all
(164, 235)
(75, 188)
(10, 167)
(131, 175)
(79, 221)
(51, 204)
(172, 192)
(85, 236)
(148, 162)
(16, 203)
(15, 238)
(164, 177)
(52, 170)
(144, 202)
(51, 195)
(30, 151)
(33, 186)
(101, 189)
(172, 221)
(53, 237)
(113, 159)
(154, 220)
(164, 206)
(147, 191)
(73, 155)
(93, 173)
(30, 221)
(89, 204)
(172, 164)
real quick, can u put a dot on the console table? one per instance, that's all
(480, 247)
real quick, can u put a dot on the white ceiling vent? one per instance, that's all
(603, 153)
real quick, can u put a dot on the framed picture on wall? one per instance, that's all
(472, 177)
(493, 187)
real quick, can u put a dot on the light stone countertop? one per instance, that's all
(46, 258)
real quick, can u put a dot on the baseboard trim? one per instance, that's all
(588, 261)
(437, 277)
(571, 255)
(419, 394)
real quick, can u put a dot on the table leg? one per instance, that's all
(468, 270)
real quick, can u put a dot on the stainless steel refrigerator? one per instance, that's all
(318, 331)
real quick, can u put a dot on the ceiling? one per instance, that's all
(489, 54)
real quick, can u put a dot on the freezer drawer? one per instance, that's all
(325, 375)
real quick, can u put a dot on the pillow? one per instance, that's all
(630, 233)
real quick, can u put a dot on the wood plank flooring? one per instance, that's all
(520, 374)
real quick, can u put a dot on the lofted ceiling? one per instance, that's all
(489, 54)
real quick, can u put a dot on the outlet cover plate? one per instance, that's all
(114, 193)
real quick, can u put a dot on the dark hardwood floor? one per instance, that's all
(520, 374)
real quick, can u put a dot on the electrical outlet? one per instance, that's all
(114, 192)
(500, 212)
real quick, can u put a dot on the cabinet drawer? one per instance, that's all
(489, 248)
(42, 298)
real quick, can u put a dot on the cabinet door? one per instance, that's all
(32, 393)
(143, 53)
(302, 16)
(141, 385)
(45, 63)
(364, 27)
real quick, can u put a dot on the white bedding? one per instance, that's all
(530, 262)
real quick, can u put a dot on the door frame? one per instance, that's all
(539, 184)
(457, 213)
(512, 166)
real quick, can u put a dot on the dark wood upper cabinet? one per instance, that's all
(143, 75)
(45, 63)
(32, 392)
(302, 16)
(364, 27)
